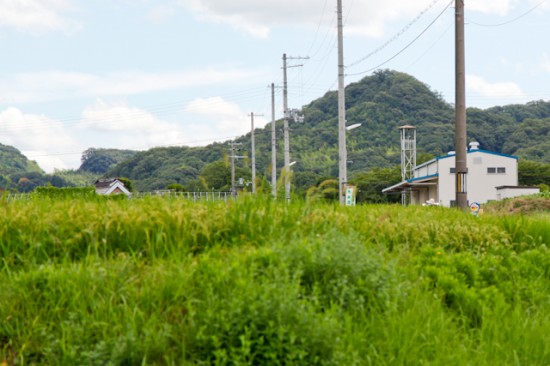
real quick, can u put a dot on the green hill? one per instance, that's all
(381, 102)
(19, 174)
(16, 170)
(98, 161)
(13, 162)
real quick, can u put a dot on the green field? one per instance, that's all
(158, 281)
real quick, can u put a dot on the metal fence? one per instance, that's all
(15, 196)
(193, 196)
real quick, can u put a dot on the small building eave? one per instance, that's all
(428, 180)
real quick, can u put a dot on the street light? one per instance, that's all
(353, 126)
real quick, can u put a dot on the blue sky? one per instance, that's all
(135, 74)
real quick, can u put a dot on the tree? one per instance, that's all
(216, 175)
(370, 185)
(98, 161)
(532, 173)
(176, 187)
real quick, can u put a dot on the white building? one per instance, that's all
(491, 176)
(110, 186)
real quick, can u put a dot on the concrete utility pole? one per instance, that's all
(273, 144)
(253, 148)
(461, 168)
(233, 156)
(342, 152)
(286, 135)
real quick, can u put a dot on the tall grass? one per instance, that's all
(161, 281)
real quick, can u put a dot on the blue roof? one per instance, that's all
(424, 177)
(469, 152)
(479, 150)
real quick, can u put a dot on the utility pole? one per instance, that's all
(233, 156)
(273, 145)
(286, 136)
(461, 168)
(253, 147)
(285, 133)
(342, 152)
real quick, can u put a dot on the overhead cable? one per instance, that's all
(407, 46)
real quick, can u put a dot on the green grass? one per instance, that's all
(255, 282)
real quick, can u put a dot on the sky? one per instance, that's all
(137, 74)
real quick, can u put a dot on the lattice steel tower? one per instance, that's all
(408, 158)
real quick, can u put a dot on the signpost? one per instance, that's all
(351, 193)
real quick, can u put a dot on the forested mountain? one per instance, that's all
(13, 162)
(381, 102)
(17, 173)
(159, 167)
(98, 161)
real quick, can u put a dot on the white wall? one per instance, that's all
(426, 169)
(509, 192)
(480, 184)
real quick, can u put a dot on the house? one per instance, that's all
(110, 186)
(491, 176)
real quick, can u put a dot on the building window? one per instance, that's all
(452, 170)
(495, 170)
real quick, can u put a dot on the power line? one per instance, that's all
(317, 30)
(431, 46)
(509, 21)
(133, 112)
(407, 46)
(396, 36)
(260, 132)
(323, 61)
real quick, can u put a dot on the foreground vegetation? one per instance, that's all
(161, 281)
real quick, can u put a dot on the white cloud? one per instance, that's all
(498, 7)
(61, 85)
(228, 118)
(481, 93)
(161, 13)
(36, 15)
(545, 6)
(38, 137)
(478, 85)
(256, 17)
(120, 126)
(365, 18)
(222, 119)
